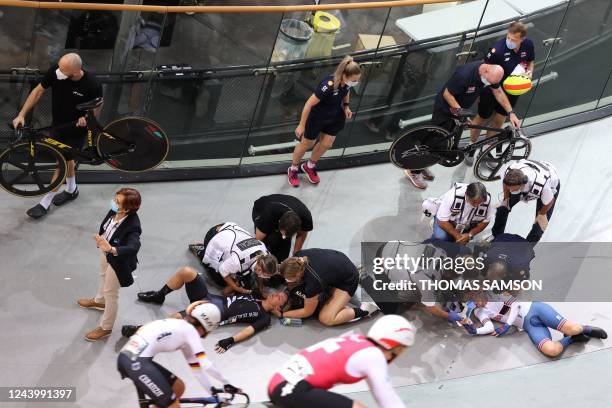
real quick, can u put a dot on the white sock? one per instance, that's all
(70, 184)
(294, 167)
(46, 200)
(311, 164)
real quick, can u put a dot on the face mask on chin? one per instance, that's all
(60, 75)
(484, 81)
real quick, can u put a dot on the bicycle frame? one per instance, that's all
(94, 129)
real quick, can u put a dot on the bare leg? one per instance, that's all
(497, 121)
(301, 149)
(325, 143)
(335, 311)
(474, 133)
(181, 276)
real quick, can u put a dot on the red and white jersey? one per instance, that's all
(341, 360)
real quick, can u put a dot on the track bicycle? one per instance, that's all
(428, 145)
(220, 398)
(34, 165)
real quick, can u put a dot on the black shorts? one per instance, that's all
(150, 378)
(196, 289)
(315, 126)
(442, 119)
(487, 104)
(305, 395)
(351, 285)
(72, 136)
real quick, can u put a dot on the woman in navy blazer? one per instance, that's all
(119, 241)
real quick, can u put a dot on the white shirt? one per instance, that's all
(110, 227)
(230, 251)
(464, 217)
(550, 187)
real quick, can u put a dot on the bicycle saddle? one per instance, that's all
(462, 113)
(93, 104)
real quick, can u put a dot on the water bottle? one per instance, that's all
(293, 322)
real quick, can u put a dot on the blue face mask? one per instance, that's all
(113, 206)
(510, 44)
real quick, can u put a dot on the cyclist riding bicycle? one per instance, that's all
(135, 359)
(305, 379)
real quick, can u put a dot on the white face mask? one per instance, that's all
(352, 83)
(60, 75)
(515, 192)
(484, 81)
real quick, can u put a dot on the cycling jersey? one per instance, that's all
(168, 335)
(233, 251)
(340, 360)
(234, 309)
(508, 311)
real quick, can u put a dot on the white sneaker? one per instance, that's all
(369, 307)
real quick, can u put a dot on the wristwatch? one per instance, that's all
(470, 235)
(510, 113)
(345, 104)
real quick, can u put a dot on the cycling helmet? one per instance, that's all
(207, 314)
(392, 330)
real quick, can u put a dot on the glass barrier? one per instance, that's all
(229, 88)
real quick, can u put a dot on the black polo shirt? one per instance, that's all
(500, 54)
(326, 268)
(330, 105)
(271, 208)
(465, 85)
(67, 94)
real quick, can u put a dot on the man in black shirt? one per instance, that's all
(234, 308)
(70, 85)
(277, 218)
(461, 91)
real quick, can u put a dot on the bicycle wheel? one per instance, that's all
(27, 169)
(412, 150)
(133, 144)
(496, 155)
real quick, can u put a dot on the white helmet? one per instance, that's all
(208, 315)
(392, 330)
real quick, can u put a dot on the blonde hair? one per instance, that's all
(293, 268)
(346, 67)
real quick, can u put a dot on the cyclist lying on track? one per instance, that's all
(233, 309)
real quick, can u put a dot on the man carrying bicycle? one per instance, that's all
(135, 359)
(70, 85)
(461, 91)
(515, 53)
(304, 381)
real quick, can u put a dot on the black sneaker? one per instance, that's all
(37, 211)
(597, 332)
(580, 338)
(128, 330)
(151, 297)
(198, 250)
(63, 197)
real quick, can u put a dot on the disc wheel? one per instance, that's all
(412, 150)
(133, 144)
(491, 160)
(27, 169)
